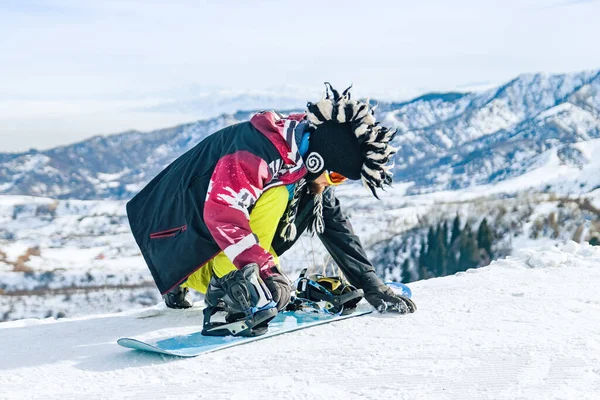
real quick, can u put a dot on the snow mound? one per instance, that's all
(526, 327)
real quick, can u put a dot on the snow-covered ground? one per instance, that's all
(526, 327)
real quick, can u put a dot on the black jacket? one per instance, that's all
(199, 205)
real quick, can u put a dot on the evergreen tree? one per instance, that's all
(406, 275)
(455, 229)
(451, 263)
(469, 250)
(485, 237)
(430, 235)
(445, 234)
(431, 250)
(423, 260)
(467, 229)
(440, 253)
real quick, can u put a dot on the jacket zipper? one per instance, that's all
(168, 233)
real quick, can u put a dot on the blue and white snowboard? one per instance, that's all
(195, 344)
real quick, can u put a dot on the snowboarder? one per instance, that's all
(218, 217)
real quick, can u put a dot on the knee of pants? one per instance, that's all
(264, 219)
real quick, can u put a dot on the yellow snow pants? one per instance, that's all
(264, 218)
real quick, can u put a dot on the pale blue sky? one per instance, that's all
(70, 69)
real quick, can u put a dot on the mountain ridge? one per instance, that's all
(447, 141)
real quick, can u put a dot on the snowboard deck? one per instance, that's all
(195, 344)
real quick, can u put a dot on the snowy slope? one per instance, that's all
(527, 327)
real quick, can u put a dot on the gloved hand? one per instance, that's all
(280, 289)
(381, 296)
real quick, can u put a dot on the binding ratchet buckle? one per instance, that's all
(337, 294)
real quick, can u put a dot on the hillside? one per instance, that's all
(526, 327)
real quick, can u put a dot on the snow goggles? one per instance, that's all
(334, 179)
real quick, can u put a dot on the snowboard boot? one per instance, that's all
(248, 303)
(178, 298)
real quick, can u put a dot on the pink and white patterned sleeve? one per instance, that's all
(236, 184)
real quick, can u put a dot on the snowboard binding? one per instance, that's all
(338, 295)
(178, 298)
(248, 304)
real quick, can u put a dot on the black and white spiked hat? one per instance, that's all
(345, 138)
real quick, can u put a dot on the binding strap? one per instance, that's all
(333, 290)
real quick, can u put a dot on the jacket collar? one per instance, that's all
(281, 132)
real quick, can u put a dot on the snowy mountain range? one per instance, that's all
(447, 141)
(457, 141)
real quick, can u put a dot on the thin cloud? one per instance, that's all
(33, 7)
(569, 3)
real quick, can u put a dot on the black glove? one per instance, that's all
(280, 289)
(380, 296)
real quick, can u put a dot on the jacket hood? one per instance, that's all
(280, 131)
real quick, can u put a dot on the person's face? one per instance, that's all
(318, 185)
(326, 179)
(322, 180)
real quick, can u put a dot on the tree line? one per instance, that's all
(447, 250)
